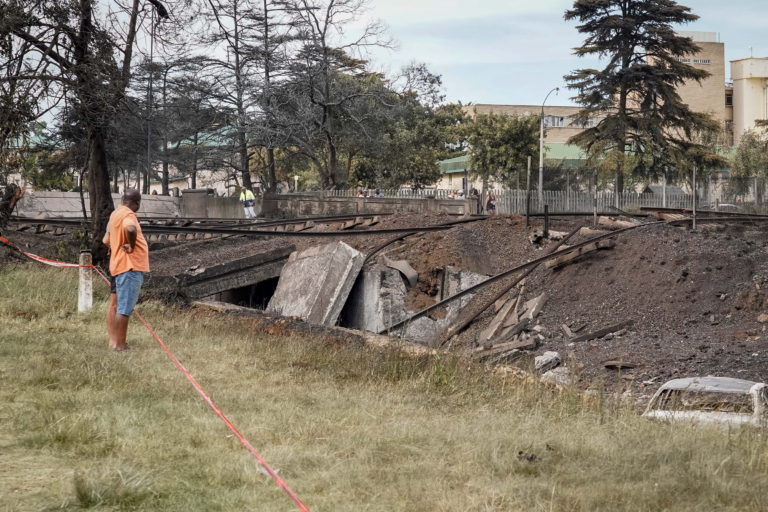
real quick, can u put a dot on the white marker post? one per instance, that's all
(85, 290)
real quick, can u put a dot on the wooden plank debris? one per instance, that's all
(581, 251)
(589, 232)
(500, 318)
(615, 223)
(352, 223)
(526, 343)
(618, 364)
(603, 332)
(533, 307)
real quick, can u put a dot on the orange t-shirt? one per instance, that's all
(120, 261)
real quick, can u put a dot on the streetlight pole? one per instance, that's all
(541, 147)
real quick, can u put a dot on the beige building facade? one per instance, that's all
(750, 94)
(707, 96)
(558, 120)
(735, 105)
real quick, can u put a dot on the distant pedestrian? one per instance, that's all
(360, 193)
(490, 205)
(248, 200)
(475, 195)
(128, 261)
(378, 193)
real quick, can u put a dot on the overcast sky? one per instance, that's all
(515, 51)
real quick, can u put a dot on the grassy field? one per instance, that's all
(350, 429)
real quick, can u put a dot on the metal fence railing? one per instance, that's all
(514, 201)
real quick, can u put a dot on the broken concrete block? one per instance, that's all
(763, 318)
(422, 330)
(456, 280)
(315, 284)
(547, 361)
(560, 376)
(377, 300)
(404, 268)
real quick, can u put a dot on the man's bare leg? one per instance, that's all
(111, 320)
(121, 332)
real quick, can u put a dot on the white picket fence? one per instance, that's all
(514, 201)
(403, 192)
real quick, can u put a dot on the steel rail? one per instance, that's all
(303, 234)
(704, 212)
(453, 330)
(706, 220)
(509, 272)
(386, 244)
(238, 222)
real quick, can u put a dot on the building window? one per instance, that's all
(729, 100)
(554, 121)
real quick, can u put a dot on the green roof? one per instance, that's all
(455, 165)
(556, 153)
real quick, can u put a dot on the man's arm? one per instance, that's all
(105, 240)
(130, 232)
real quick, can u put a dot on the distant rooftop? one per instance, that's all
(701, 37)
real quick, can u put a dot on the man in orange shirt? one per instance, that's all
(128, 261)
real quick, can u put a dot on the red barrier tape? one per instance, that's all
(247, 445)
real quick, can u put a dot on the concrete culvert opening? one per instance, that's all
(255, 296)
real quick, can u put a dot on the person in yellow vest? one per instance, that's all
(248, 200)
(128, 262)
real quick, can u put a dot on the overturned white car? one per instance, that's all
(720, 400)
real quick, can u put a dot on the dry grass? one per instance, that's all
(350, 429)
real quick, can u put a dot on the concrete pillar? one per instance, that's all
(85, 289)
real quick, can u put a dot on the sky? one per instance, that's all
(515, 51)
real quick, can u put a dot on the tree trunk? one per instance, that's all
(99, 193)
(245, 167)
(271, 170)
(194, 163)
(8, 200)
(165, 168)
(145, 185)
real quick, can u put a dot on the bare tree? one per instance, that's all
(74, 48)
(325, 58)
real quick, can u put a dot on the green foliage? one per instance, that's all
(500, 144)
(750, 161)
(413, 142)
(634, 97)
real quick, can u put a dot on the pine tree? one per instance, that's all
(634, 96)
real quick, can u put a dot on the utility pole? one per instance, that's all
(694, 198)
(541, 147)
(528, 196)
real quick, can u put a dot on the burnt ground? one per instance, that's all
(694, 297)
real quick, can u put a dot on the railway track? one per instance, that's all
(178, 229)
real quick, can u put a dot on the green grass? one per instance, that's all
(349, 428)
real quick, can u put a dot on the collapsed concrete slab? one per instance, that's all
(376, 301)
(198, 282)
(315, 284)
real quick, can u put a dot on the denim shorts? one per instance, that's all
(127, 286)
